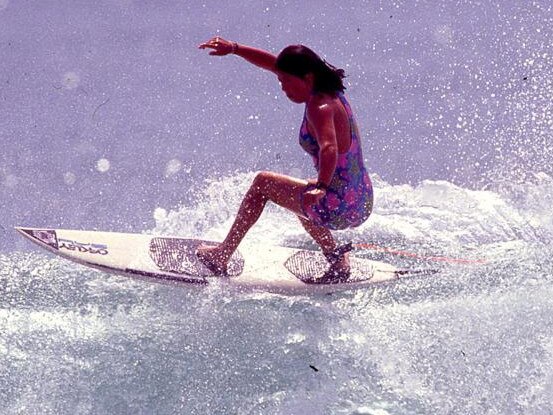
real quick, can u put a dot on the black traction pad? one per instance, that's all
(310, 267)
(179, 256)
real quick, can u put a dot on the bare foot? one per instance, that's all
(213, 258)
(342, 265)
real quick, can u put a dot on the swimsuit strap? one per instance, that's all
(345, 102)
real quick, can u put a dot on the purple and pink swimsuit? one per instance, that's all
(349, 199)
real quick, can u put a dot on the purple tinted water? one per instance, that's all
(112, 119)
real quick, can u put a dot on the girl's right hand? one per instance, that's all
(220, 46)
(313, 196)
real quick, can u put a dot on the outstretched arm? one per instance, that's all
(257, 57)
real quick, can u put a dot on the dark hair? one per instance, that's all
(299, 60)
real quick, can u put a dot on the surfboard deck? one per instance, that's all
(173, 260)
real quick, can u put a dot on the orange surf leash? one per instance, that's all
(413, 255)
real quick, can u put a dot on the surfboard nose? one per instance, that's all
(41, 236)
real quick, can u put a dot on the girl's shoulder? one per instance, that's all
(323, 100)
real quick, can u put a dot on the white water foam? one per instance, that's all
(473, 339)
(435, 213)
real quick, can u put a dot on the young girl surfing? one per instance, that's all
(341, 196)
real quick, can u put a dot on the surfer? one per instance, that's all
(341, 196)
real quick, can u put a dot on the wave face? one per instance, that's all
(474, 338)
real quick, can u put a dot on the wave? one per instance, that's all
(473, 339)
(435, 213)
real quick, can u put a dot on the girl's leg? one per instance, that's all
(326, 241)
(283, 190)
(321, 235)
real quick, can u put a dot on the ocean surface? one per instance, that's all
(474, 338)
(113, 120)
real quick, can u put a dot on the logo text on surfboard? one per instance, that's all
(83, 247)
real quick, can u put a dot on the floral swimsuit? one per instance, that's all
(349, 199)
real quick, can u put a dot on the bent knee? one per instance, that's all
(262, 180)
(262, 175)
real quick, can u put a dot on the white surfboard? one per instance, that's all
(173, 260)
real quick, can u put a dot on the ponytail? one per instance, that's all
(299, 60)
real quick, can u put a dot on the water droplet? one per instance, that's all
(103, 165)
(69, 178)
(10, 180)
(173, 167)
(70, 80)
(160, 214)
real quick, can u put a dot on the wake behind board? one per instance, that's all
(172, 259)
